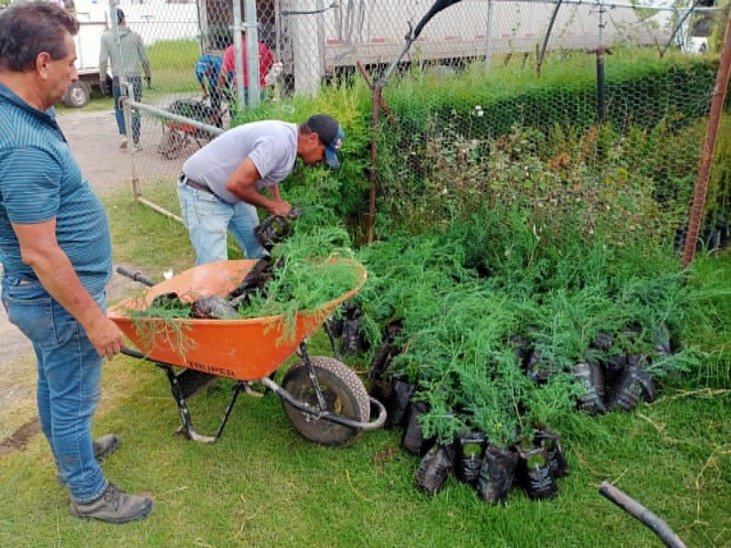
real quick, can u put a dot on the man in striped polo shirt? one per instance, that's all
(55, 250)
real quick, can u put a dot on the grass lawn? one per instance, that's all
(262, 484)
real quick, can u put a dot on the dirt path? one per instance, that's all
(93, 139)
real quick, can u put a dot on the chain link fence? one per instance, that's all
(212, 58)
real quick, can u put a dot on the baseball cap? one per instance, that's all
(331, 135)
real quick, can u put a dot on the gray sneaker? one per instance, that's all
(114, 506)
(105, 445)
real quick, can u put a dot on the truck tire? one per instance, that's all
(77, 95)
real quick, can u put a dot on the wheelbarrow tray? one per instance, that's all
(243, 349)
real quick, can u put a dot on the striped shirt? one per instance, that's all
(40, 181)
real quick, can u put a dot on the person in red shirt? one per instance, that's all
(227, 76)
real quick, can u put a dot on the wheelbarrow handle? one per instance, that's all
(136, 276)
(132, 353)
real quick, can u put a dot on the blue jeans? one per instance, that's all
(209, 219)
(69, 381)
(117, 92)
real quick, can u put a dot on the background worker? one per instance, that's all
(222, 183)
(207, 70)
(133, 56)
(227, 76)
(55, 249)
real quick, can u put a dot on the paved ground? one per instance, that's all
(93, 138)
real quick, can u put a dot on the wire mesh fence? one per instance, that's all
(211, 59)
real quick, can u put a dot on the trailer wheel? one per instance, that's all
(77, 95)
(344, 395)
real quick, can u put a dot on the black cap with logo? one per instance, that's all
(331, 135)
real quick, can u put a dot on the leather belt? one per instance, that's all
(195, 184)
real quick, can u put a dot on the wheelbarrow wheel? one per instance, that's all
(172, 143)
(344, 395)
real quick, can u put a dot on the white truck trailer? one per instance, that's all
(314, 39)
(88, 44)
(93, 19)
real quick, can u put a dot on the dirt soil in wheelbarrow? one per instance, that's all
(93, 136)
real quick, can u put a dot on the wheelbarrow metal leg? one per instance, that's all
(185, 385)
(313, 377)
(236, 390)
(187, 426)
(333, 341)
(179, 395)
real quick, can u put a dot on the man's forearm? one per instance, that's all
(274, 191)
(251, 196)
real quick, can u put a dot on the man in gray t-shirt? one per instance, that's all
(221, 185)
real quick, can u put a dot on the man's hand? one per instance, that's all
(106, 338)
(39, 250)
(280, 208)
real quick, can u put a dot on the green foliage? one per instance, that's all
(174, 55)
(457, 141)
(306, 275)
(465, 295)
(718, 199)
(656, 86)
(235, 492)
(306, 278)
(343, 192)
(172, 63)
(587, 180)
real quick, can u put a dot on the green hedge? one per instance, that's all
(659, 96)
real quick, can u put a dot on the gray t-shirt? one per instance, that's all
(271, 145)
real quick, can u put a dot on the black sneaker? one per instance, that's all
(114, 506)
(105, 445)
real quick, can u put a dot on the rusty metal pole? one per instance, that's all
(601, 109)
(374, 160)
(709, 145)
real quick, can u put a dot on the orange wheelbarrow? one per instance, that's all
(323, 398)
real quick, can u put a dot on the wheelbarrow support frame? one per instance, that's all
(188, 382)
